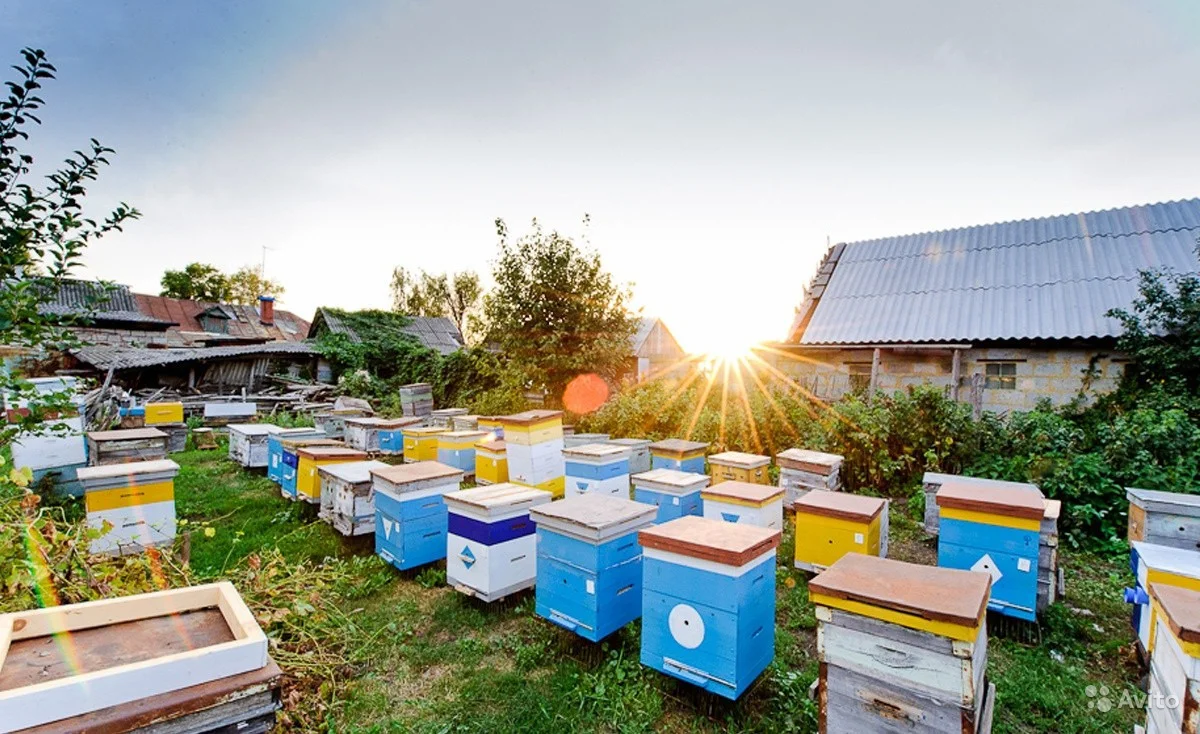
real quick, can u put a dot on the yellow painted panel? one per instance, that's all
(308, 483)
(911, 621)
(720, 473)
(822, 541)
(540, 434)
(157, 413)
(1192, 649)
(141, 494)
(491, 470)
(556, 486)
(726, 499)
(987, 518)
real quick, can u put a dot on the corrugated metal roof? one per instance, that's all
(102, 357)
(242, 321)
(97, 301)
(1051, 278)
(434, 332)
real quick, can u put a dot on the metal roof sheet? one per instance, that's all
(103, 357)
(1051, 278)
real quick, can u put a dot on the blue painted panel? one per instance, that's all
(585, 555)
(290, 459)
(288, 483)
(1015, 592)
(694, 465)
(563, 597)
(410, 509)
(1138, 611)
(595, 471)
(463, 459)
(410, 544)
(989, 537)
(391, 441)
(65, 479)
(1133, 561)
(723, 593)
(491, 533)
(670, 506)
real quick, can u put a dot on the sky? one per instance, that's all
(717, 147)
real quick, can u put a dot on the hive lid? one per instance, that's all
(300, 432)
(633, 443)
(740, 459)
(495, 445)
(254, 429)
(503, 496)
(464, 435)
(529, 417)
(295, 443)
(678, 446)
(728, 543)
(841, 505)
(330, 452)
(939, 479)
(758, 494)
(594, 516)
(596, 451)
(931, 592)
(1181, 607)
(126, 434)
(671, 478)
(1177, 502)
(804, 459)
(1179, 561)
(420, 471)
(1007, 501)
(354, 472)
(424, 430)
(107, 471)
(377, 422)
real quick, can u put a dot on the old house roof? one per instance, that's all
(435, 332)
(639, 340)
(1048, 278)
(242, 323)
(121, 358)
(103, 304)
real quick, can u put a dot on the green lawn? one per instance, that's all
(424, 658)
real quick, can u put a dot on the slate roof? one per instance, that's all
(1049, 278)
(103, 357)
(434, 332)
(101, 303)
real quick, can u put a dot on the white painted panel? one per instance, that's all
(140, 525)
(52, 450)
(494, 567)
(617, 486)
(769, 515)
(899, 663)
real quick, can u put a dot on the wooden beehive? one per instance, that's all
(902, 647)
(367, 433)
(123, 446)
(310, 458)
(830, 525)
(457, 449)
(275, 449)
(491, 462)
(596, 468)
(708, 602)
(534, 442)
(801, 471)
(346, 501)
(158, 413)
(639, 453)
(248, 443)
(1164, 518)
(583, 439)
(410, 512)
(289, 472)
(1173, 703)
(420, 443)
(752, 504)
(997, 531)
(491, 548)
(736, 466)
(135, 501)
(589, 563)
(674, 493)
(416, 399)
(444, 417)
(678, 454)
(1162, 565)
(933, 481)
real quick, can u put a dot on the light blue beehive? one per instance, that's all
(410, 512)
(589, 563)
(708, 602)
(674, 493)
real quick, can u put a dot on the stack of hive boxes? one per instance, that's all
(589, 563)
(123, 446)
(902, 647)
(346, 501)
(830, 525)
(736, 466)
(168, 418)
(457, 449)
(421, 443)
(444, 418)
(136, 500)
(674, 493)
(677, 454)
(248, 443)
(491, 462)
(333, 422)
(465, 423)
(933, 481)
(310, 459)
(639, 453)
(998, 532)
(534, 440)
(1164, 518)
(59, 453)
(492, 425)
(368, 433)
(416, 400)
(708, 602)
(1159, 565)
(1050, 575)
(751, 504)
(410, 512)
(801, 471)
(1171, 705)
(491, 548)
(582, 439)
(597, 468)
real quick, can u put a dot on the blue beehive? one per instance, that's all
(998, 532)
(289, 460)
(677, 454)
(674, 493)
(708, 602)
(589, 563)
(410, 513)
(275, 449)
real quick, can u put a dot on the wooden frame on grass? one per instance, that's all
(83, 692)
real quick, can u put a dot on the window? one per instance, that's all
(1000, 376)
(860, 376)
(213, 324)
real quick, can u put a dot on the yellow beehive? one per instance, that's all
(421, 443)
(309, 458)
(532, 427)
(491, 424)
(736, 466)
(157, 413)
(491, 462)
(831, 524)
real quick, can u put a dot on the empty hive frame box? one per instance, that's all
(60, 662)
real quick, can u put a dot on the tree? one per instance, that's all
(197, 282)
(455, 296)
(555, 313)
(248, 283)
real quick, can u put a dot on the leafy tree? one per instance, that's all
(555, 313)
(455, 296)
(198, 282)
(248, 283)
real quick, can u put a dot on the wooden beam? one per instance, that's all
(875, 369)
(955, 374)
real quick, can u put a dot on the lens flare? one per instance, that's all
(585, 394)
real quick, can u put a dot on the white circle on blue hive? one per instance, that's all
(687, 626)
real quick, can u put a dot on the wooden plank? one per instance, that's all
(528, 417)
(732, 544)
(593, 516)
(939, 594)
(496, 496)
(841, 505)
(1011, 502)
(1181, 608)
(420, 471)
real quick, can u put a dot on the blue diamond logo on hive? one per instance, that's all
(468, 558)
(729, 517)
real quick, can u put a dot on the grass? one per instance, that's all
(425, 658)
